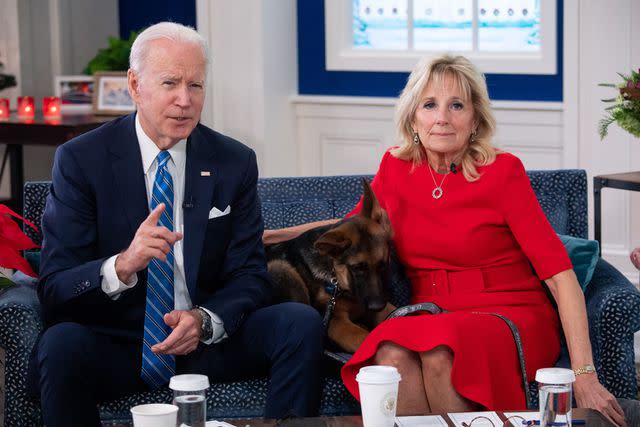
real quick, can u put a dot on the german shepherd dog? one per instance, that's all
(354, 255)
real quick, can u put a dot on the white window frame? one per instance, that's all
(341, 56)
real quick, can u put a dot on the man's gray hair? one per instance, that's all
(163, 30)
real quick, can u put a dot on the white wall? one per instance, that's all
(252, 76)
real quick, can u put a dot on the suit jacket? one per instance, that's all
(98, 200)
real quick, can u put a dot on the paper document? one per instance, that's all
(217, 424)
(528, 416)
(458, 418)
(421, 421)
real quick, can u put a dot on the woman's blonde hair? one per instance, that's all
(471, 83)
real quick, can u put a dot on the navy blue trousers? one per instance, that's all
(74, 368)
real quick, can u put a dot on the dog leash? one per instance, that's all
(516, 337)
(331, 287)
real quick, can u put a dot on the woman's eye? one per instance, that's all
(429, 105)
(457, 106)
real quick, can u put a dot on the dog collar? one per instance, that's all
(331, 286)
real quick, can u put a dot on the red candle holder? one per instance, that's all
(26, 108)
(4, 109)
(51, 107)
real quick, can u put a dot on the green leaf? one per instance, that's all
(603, 124)
(6, 283)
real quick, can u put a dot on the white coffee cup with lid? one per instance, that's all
(378, 387)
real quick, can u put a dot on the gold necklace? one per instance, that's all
(437, 192)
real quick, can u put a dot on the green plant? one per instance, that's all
(625, 110)
(6, 80)
(113, 58)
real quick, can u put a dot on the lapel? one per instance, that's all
(128, 176)
(198, 196)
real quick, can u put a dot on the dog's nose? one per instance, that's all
(374, 303)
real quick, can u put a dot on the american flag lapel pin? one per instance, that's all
(205, 173)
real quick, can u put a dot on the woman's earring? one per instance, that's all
(473, 136)
(416, 138)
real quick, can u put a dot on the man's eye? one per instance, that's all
(167, 83)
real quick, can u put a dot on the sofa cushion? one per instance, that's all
(584, 256)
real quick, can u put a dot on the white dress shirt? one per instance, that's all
(111, 284)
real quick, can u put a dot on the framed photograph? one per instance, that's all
(75, 93)
(111, 95)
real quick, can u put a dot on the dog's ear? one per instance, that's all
(370, 206)
(333, 243)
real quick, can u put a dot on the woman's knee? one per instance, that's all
(436, 361)
(391, 354)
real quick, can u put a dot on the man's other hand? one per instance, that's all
(151, 241)
(187, 326)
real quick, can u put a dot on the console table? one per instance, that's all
(629, 181)
(16, 133)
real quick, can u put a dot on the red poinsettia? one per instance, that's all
(12, 241)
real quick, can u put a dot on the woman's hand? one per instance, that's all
(591, 394)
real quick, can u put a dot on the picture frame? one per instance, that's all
(111, 94)
(75, 93)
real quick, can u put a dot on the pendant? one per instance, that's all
(436, 193)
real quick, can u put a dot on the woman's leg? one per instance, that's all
(436, 373)
(411, 399)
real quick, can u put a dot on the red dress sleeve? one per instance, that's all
(529, 224)
(376, 185)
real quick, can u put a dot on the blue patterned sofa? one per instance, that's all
(612, 301)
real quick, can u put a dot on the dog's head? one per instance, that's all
(359, 249)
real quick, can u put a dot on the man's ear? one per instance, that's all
(133, 84)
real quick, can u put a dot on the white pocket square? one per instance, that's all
(215, 212)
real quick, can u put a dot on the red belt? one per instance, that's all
(511, 277)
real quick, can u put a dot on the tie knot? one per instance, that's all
(163, 158)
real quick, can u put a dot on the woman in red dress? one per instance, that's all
(467, 227)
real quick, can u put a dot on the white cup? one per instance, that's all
(378, 395)
(155, 415)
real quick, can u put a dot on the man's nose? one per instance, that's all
(183, 97)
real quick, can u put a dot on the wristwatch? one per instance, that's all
(586, 369)
(206, 330)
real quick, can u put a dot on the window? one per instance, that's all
(500, 36)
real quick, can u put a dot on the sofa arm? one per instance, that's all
(20, 325)
(613, 308)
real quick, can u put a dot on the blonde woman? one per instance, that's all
(467, 228)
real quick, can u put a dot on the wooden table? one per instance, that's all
(17, 133)
(593, 418)
(629, 181)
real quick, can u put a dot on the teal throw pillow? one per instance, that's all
(584, 256)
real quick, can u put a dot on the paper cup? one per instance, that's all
(155, 415)
(378, 395)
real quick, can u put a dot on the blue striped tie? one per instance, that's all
(157, 369)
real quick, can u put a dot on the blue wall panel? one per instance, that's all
(314, 79)
(137, 14)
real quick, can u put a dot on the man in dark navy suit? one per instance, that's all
(152, 260)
